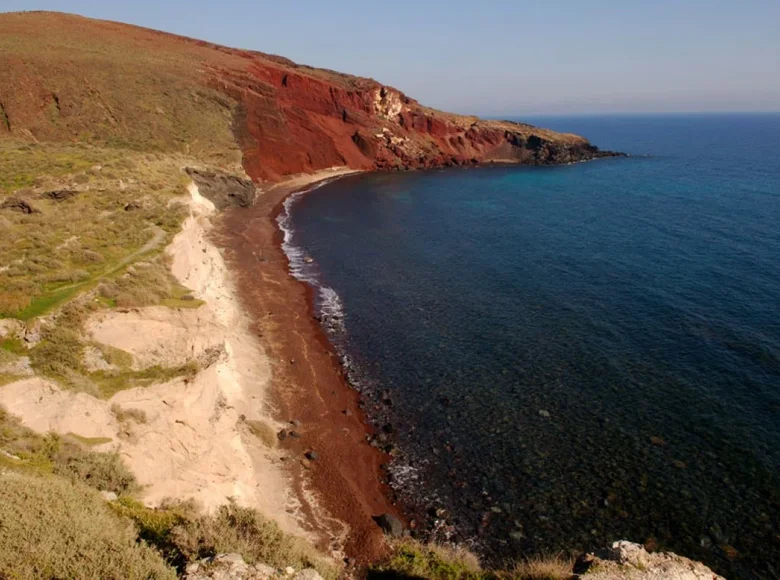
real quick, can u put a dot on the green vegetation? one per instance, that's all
(60, 356)
(108, 383)
(137, 91)
(184, 535)
(64, 456)
(412, 559)
(53, 528)
(126, 212)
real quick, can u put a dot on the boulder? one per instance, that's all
(390, 524)
(20, 205)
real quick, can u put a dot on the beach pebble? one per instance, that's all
(543, 413)
(312, 455)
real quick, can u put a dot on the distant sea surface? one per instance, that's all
(574, 355)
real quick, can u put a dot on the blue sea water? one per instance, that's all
(574, 355)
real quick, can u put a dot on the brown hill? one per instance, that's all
(68, 78)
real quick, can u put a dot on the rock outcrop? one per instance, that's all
(233, 567)
(625, 560)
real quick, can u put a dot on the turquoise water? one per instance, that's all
(570, 356)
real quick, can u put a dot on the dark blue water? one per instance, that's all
(570, 356)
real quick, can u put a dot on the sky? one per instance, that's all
(501, 57)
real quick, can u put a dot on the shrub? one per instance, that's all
(104, 471)
(65, 456)
(411, 559)
(414, 559)
(245, 531)
(124, 415)
(544, 568)
(53, 528)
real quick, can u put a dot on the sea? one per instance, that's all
(561, 357)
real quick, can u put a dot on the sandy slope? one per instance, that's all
(195, 442)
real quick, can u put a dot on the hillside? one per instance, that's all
(71, 78)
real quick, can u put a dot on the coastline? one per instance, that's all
(340, 490)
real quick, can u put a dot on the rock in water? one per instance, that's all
(626, 560)
(391, 525)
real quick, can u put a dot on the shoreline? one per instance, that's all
(340, 490)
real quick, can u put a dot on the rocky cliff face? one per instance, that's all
(71, 78)
(291, 120)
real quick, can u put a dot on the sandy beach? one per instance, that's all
(340, 491)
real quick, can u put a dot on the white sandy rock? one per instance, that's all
(233, 567)
(626, 560)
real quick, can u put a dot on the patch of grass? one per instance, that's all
(40, 305)
(431, 562)
(6, 378)
(124, 415)
(108, 384)
(245, 531)
(115, 356)
(412, 559)
(183, 534)
(89, 441)
(53, 528)
(264, 432)
(13, 345)
(544, 568)
(69, 245)
(59, 354)
(179, 303)
(63, 456)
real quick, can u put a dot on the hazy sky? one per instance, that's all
(502, 57)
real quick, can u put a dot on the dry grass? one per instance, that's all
(555, 567)
(184, 535)
(60, 356)
(242, 530)
(65, 456)
(412, 559)
(124, 415)
(115, 85)
(264, 432)
(53, 528)
(72, 244)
